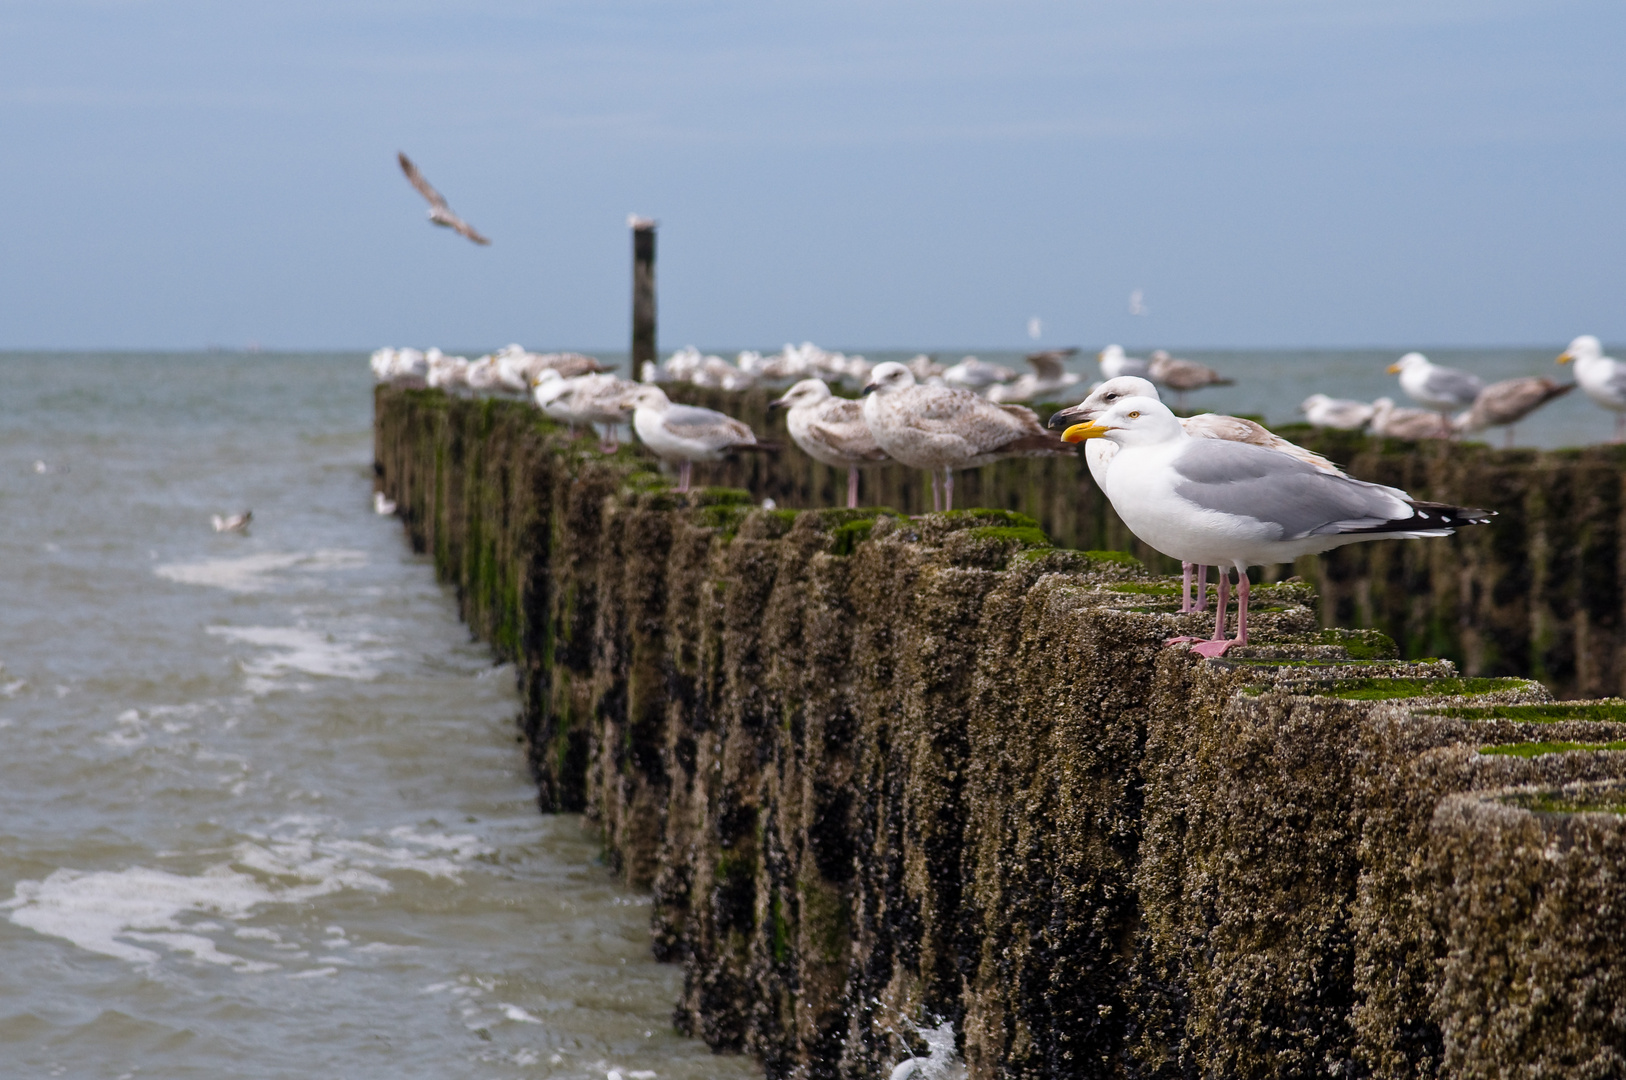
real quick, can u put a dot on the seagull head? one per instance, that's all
(1585, 347)
(648, 397)
(1130, 421)
(805, 392)
(1111, 352)
(889, 377)
(1408, 362)
(1107, 394)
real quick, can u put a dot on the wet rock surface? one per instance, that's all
(883, 771)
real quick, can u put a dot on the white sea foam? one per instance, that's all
(109, 911)
(258, 573)
(300, 649)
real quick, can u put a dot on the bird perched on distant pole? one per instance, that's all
(1441, 389)
(439, 212)
(830, 430)
(1505, 403)
(1602, 378)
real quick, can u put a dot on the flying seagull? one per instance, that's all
(439, 212)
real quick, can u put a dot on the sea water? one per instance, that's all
(262, 810)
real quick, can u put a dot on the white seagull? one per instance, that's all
(383, 505)
(685, 434)
(974, 374)
(1097, 452)
(1114, 363)
(236, 523)
(439, 212)
(1442, 389)
(1235, 505)
(1046, 379)
(1602, 378)
(830, 429)
(941, 428)
(1340, 413)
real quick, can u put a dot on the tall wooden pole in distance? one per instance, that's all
(643, 293)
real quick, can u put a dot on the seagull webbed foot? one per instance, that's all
(1211, 649)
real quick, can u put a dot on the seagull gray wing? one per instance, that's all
(416, 178)
(464, 228)
(1298, 499)
(693, 422)
(841, 430)
(1450, 383)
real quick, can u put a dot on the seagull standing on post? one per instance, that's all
(439, 212)
(1234, 505)
(1442, 389)
(830, 429)
(1602, 378)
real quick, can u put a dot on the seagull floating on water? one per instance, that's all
(685, 434)
(1230, 504)
(1602, 378)
(941, 428)
(830, 429)
(1442, 389)
(382, 504)
(1097, 452)
(1505, 403)
(236, 523)
(439, 212)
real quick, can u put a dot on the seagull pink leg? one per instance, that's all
(683, 475)
(948, 488)
(1219, 631)
(852, 487)
(1219, 646)
(1202, 586)
(1185, 588)
(937, 496)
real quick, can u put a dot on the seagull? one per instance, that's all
(382, 504)
(941, 428)
(1181, 375)
(439, 212)
(1137, 303)
(1394, 422)
(1098, 452)
(1341, 413)
(1114, 363)
(830, 429)
(1048, 376)
(1235, 505)
(1441, 389)
(1602, 378)
(236, 523)
(686, 434)
(974, 374)
(599, 398)
(1505, 403)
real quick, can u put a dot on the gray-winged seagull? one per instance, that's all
(439, 212)
(830, 430)
(1231, 504)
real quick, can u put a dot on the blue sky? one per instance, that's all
(875, 174)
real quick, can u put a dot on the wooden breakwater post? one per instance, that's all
(643, 294)
(885, 770)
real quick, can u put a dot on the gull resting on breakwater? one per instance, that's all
(1097, 452)
(1235, 505)
(684, 434)
(941, 428)
(1343, 414)
(1505, 403)
(1442, 389)
(439, 212)
(1047, 378)
(1602, 378)
(1181, 375)
(830, 429)
(1399, 422)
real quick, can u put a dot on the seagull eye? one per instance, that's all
(1133, 415)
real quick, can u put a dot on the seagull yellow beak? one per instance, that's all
(1394, 369)
(1079, 432)
(1564, 358)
